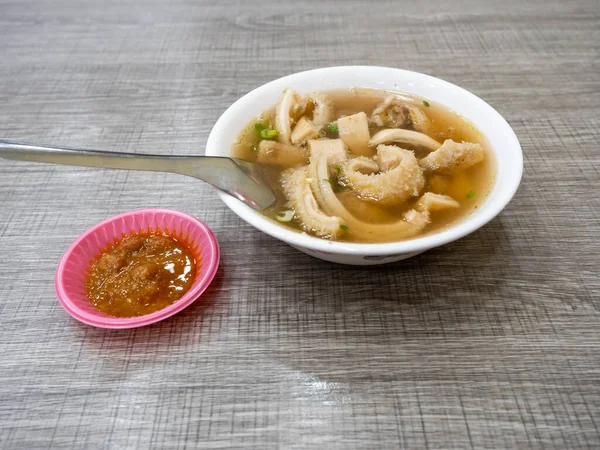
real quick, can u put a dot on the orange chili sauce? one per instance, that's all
(140, 274)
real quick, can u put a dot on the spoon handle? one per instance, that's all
(92, 158)
(238, 178)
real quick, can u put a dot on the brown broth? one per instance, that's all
(445, 124)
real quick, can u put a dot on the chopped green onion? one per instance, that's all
(426, 103)
(327, 180)
(343, 228)
(332, 127)
(471, 194)
(285, 216)
(264, 132)
(338, 169)
(268, 134)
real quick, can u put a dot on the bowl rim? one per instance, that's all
(101, 320)
(487, 211)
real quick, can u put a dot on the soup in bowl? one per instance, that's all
(371, 165)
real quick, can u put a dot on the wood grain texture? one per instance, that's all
(491, 342)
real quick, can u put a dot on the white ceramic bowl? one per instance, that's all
(500, 135)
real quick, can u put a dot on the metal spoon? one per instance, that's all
(240, 179)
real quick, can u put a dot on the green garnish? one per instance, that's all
(264, 132)
(471, 194)
(333, 128)
(285, 216)
(343, 228)
(327, 180)
(338, 169)
(426, 103)
(269, 134)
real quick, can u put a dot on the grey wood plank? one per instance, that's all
(490, 342)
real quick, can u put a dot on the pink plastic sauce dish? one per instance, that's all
(72, 268)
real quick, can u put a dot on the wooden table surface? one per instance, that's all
(491, 342)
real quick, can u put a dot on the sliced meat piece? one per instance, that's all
(334, 149)
(354, 131)
(420, 121)
(400, 177)
(290, 107)
(436, 202)
(393, 112)
(452, 157)
(278, 154)
(417, 218)
(381, 116)
(363, 165)
(404, 136)
(303, 131)
(301, 199)
(322, 109)
(318, 170)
